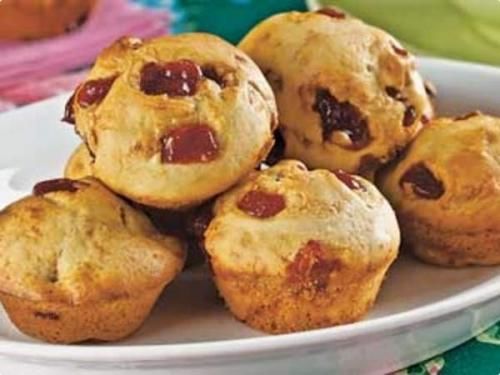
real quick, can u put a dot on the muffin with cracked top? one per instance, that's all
(348, 94)
(446, 192)
(78, 263)
(293, 249)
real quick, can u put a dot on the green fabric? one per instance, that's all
(437, 27)
(460, 29)
(229, 19)
(479, 356)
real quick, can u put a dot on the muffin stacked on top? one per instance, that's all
(177, 127)
(167, 121)
(348, 94)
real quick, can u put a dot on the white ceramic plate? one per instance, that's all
(422, 310)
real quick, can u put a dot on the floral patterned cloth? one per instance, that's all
(231, 19)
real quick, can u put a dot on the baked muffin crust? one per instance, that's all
(293, 249)
(348, 94)
(174, 120)
(74, 247)
(445, 191)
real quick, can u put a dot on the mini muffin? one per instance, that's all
(293, 249)
(348, 93)
(181, 224)
(78, 263)
(79, 164)
(35, 19)
(173, 121)
(446, 192)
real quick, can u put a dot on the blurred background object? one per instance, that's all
(35, 19)
(36, 66)
(457, 29)
(230, 19)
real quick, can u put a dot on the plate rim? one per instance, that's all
(254, 345)
(206, 350)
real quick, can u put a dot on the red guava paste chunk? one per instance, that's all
(311, 266)
(341, 116)
(331, 12)
(176, 78)
(211, 73)
(262, 204)
(94, 91)
(348, 179)
(410, 116)
(190, 144)
(424, 183)
(399, 50)
(69, 112)
(58, 184)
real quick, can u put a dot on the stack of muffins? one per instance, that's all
(265, 157)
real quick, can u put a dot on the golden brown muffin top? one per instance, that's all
(348, 94)
(174, 120)
(450, 175)
(79, 165)
(75, 242)
(286, 217)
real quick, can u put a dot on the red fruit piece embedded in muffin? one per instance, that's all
(331, 12)
(94, 91)
(310, 266)
(423, 182)
(69, 112)
(467, 116)
(395, 93)
(399, 50)
(341, 116)
(210, 73)
(348, 179)
(410, 116)
(189, 144)
(58, 184)
(262, 204)
(176, 78)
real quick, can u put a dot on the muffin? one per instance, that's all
(348, 94)
(35, 19)
(446, 191)
(181, 224)
(293, 249)
(79, 164)
(173, 121)
(78, 263)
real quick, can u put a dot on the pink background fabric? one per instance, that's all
(31, 71)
